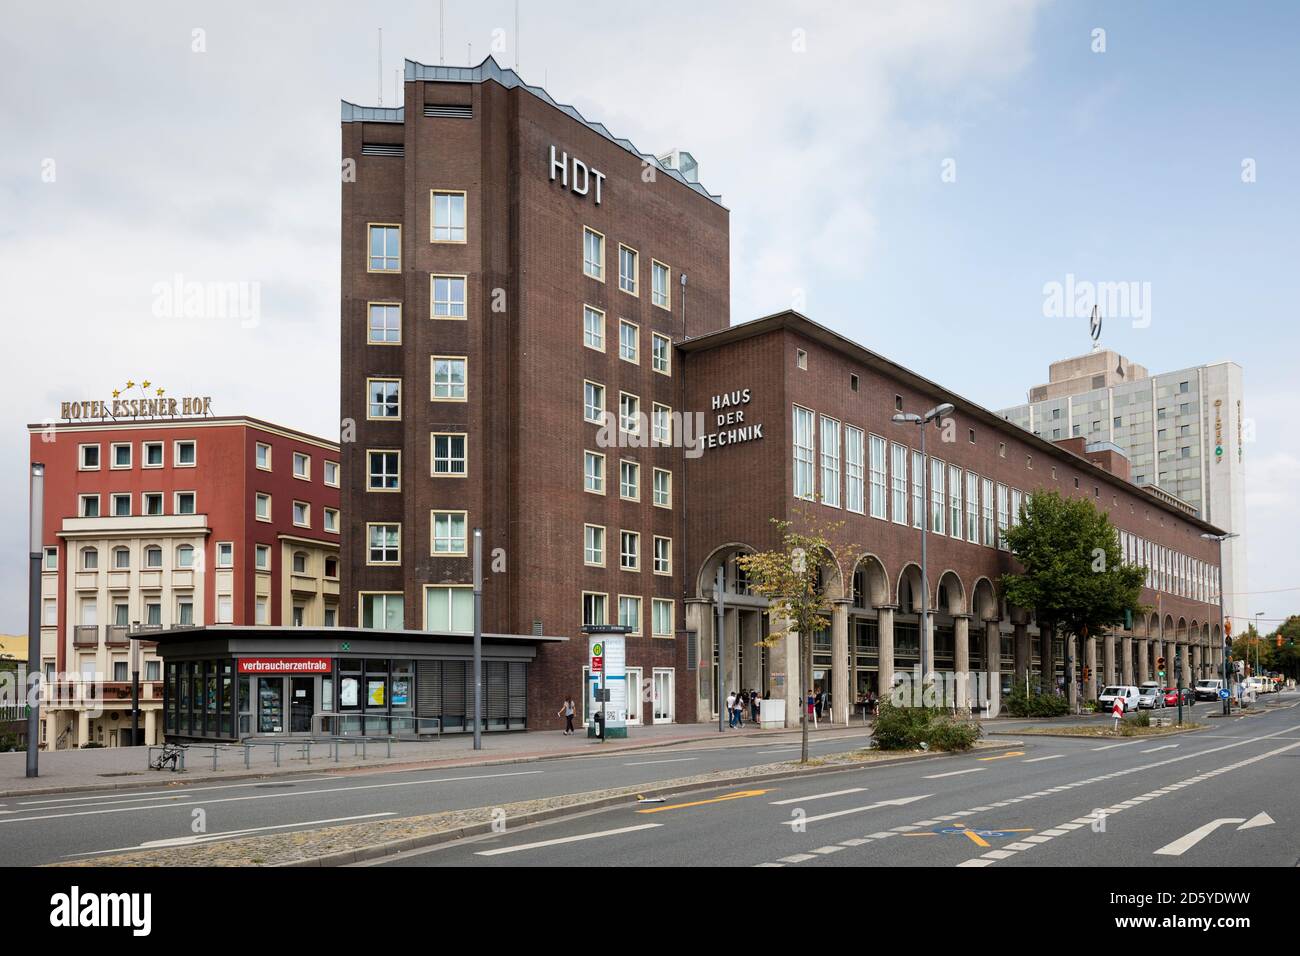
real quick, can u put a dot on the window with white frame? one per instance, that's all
(385, 323)
(593, 545)
(153, 556)
(384, 470)
(332, 474)
(448, 296)
(629, 413)
(121, 455)
(449, 456)
(954, 501)
(898, 482)
(661, 349)
(186, 452)
(629, 550)
(879, 478)
(449, 532)
(1003, 516)
(830, 462)
(593, 254)
(153, 455)
(629, 342)
(302, 514)
(629, 481)
(661, 424)
(385, 401)
(263, 456)
(918, 489)
(385, 248)
(185, 557)
(449, 378)
(593, 328)
(660, 288)
(629, 613)
(51, 559)
(448, 215)
(151, 503)
(663, 558)
(262, 557)
(449, 609)
(986, 511)
(1015, 506)
(804, 481)
(185, 503)
(331, 520)
(661, 615)
(262, 506)
(593, 608)
(225, 554)
(593, 472)
(88, 506)
(663, 488)
(89, 559)
(937, 502)
(627, 270)
(382, 612)
(121, 506)
(121, 559)
(89, 457)
(385, 541)
(593, 402)
(301, 465)
(854, 469)
(972, 507)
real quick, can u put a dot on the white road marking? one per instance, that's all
(268, 796)
(1041, 759)
(899, 802)
(817, 796)
(797, 858)
(1185, 843)
(1154, 749)
(572, 839)
(954, 773)
(827, 850)
(1113, 746)
(198, 838)
(647, 763)
(1258, 820)
(779, 750)
(121, 795)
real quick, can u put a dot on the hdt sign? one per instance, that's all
(582, 174)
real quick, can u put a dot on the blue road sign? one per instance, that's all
(1223, 693)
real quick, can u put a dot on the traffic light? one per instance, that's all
(1087, 674)
(1227, 627)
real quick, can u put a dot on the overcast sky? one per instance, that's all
(909, 173)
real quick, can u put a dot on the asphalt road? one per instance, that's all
(740, 830)
(1224, 796)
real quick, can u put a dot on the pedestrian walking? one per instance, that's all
(567, 711)
(742, 703)
(817, 701)
(753, 706)
(731, 709)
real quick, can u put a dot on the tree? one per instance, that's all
(793, 579)
(1072, 572)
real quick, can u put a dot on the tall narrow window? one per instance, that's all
(629, 413)
(879, 478)
(593, 470)
(898, 482)
(803, 453)
(385, 248)
(1015, 506)
(830, 462)
(593, 402)
(853, 470)
(629, 342)
(593, 254)
(986, 511)
(593, 545)
(593, 328)
(661, 424)
(1003, 516)
(937, 502)
(627, 259)
(954, 501)
(918, 489)
(661, 352)
(661, 290)
(972, 507)
(448, 216)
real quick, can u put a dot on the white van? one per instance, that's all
(1207, 688)
(1127, 694)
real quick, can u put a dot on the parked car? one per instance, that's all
(1208, 688)
(1173, 693)
(1258, 685)
(1150, 697)
(1127, 694)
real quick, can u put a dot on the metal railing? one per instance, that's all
(331, 724)
(118, 635)
(85, 635)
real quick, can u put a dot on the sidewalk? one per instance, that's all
(125, 767)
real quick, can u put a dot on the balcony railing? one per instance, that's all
(119, 635)
(85, 635)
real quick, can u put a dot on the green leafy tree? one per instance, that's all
(1072, 572)
(793, 578)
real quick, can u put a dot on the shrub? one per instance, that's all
(1129, 725)
(1034, 703)
(906, 728)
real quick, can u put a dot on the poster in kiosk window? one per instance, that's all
(607, 669)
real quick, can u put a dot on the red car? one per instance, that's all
(1171, 696)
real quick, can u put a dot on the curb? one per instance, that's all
(393, 847)
(436, 764)
(1163, 733)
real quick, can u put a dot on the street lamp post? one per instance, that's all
(478, 638)
(921, 421)
(1223, 646)
(1258, 637)
(135, 684)
(34, 621)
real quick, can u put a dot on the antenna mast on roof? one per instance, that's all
(379, 73)
(516, 36)
(442, 11)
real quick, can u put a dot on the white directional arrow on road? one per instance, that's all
(1185, 843)
(900, 802)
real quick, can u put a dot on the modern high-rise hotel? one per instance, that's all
(533, 314)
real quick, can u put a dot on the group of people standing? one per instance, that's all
(737, 704)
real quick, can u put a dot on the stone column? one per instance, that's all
(1108, 659)
(83, 727)
(1186, 678)
(961, 657)
(1021, 651)
(151, 727)
(1144, 658)
(699, 618)
(841, 703)
(993, 663)
(751, 632)
(885, 628)
(1126, 659)
(1090, 661)
(1047, 658)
